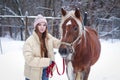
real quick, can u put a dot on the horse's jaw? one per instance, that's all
(69, 57)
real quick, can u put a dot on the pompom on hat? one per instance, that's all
(39, 19)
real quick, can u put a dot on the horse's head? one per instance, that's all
(71, 29)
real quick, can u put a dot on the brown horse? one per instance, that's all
(80, 45)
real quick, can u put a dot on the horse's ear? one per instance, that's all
(63, 12)
(77, 13)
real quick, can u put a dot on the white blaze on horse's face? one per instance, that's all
(68, 23)
(66, 34)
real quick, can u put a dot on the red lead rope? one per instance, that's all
(50, 72)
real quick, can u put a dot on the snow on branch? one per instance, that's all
(106, 33)
(11, 11)
(3, 16)
(44, 8)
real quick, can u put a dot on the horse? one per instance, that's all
(80, 45)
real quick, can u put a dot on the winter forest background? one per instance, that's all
(16, 24)
(17, 16)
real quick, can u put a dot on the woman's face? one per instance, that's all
(42, 27)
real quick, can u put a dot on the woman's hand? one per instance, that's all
(50, 68)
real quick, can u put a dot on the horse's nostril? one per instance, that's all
(62, 50)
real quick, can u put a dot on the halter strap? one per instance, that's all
(72, 43)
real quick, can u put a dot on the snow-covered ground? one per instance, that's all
(12, 61)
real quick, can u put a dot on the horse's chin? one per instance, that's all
(64, 56)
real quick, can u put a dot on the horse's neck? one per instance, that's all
(83, 36)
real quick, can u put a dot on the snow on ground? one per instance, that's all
(107, 67)
(12, 61)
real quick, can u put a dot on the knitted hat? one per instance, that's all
(39, 19)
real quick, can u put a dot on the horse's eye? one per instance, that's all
(75, 28)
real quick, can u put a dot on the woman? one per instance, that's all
(38, 50)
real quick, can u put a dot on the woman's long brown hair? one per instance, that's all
(42, 36)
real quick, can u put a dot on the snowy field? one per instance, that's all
(12, 61)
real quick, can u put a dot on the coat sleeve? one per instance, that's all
(32, 60)
(56, 42)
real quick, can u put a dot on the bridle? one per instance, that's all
(71, 45)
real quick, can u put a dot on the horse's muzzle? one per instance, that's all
(63, 52)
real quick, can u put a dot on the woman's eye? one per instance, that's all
(44, 25)
(39, 24)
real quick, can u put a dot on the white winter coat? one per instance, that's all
(34, 63)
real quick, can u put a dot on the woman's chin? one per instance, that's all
(42, 31)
